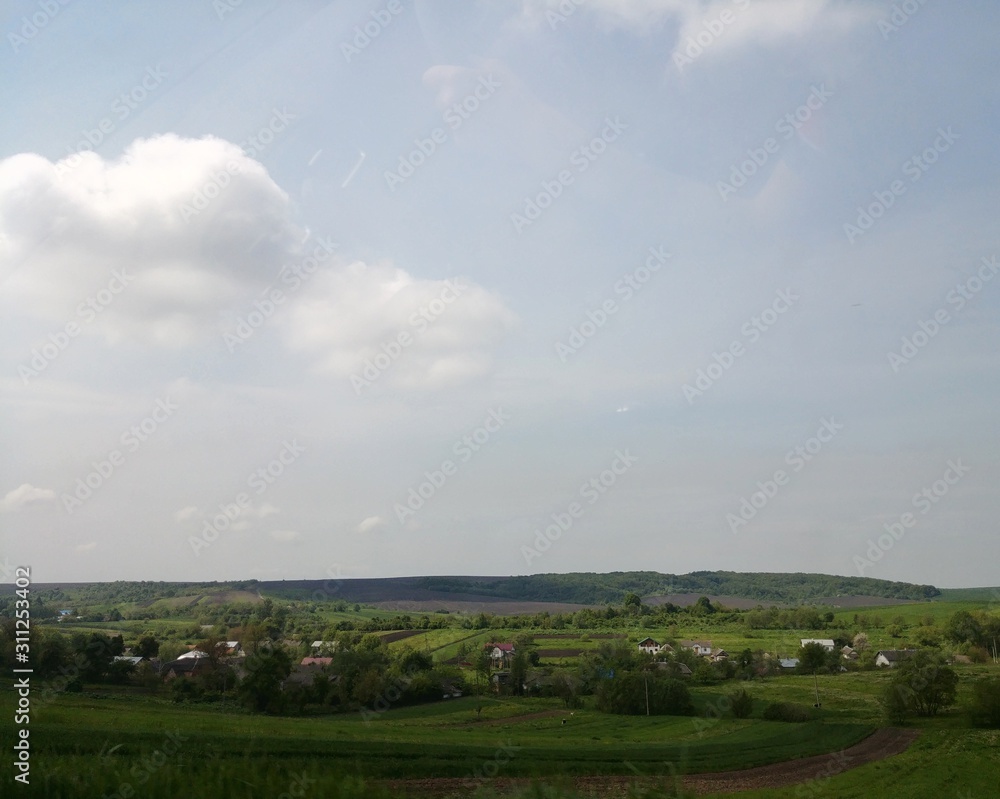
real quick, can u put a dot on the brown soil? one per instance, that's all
(399, 635)
(881, 744)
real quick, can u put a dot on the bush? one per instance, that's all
(895, 706)
(741, 703)
(626, 694)
(787, 711)
(985, 710)
(921, 685)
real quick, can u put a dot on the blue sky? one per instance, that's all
(372, 289)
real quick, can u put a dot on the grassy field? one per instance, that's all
(88, 745)
(93, 744)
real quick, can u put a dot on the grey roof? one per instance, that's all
(892, 655)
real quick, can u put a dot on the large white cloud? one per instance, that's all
(170, 244)
(148, 247)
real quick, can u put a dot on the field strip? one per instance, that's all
(882, 743)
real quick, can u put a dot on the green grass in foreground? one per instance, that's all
(105, 744)
(90, 745)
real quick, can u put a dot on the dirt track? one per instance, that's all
(881, 744)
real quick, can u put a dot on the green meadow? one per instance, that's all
(111, 742)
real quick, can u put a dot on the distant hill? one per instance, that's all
(586, 588)
(529, 593)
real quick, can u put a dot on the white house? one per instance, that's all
(890, 657)
(649, 646)
(501, 655)
(701, 648)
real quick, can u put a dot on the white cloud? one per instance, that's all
(113, 247)
(238, 522)
(186, 514)
(266, 509)
(370, 524)
(355, 316)
(763, 22)
(285, 536)
(109, 245)
(86, 547)
(25, 494)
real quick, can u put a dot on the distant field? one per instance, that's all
(915, 612)
(500, 607)
(991, 595)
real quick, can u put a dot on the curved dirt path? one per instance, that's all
(882, 743)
